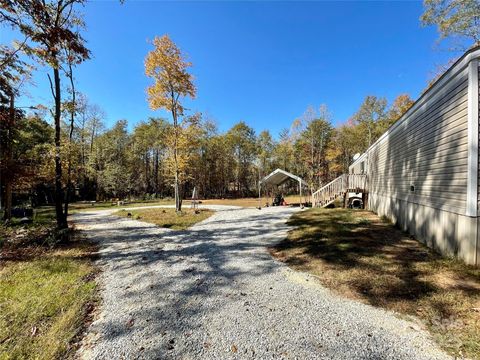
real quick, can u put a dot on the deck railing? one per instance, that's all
(344, 183)
(357, 181)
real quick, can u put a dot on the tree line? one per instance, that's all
(114, 162)
(62, 151)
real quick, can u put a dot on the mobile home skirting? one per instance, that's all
(423, 173)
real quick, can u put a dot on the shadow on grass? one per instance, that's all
(359, 256)
(376, 261)
(36, 246)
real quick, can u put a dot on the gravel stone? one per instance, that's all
(214, 292)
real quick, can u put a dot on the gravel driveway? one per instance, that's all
(214, 292)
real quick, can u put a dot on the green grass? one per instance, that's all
(48, 212)
(44, 214)
(167, 217)
(44, 296)
(41, 216)
(364, 257)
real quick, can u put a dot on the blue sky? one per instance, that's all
(261, 62)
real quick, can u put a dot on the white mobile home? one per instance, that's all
(423, 173)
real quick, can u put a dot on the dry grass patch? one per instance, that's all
(86, 206)
(167, 217)
(248, 202)
(358, 255)
(245, 202)
(47, 213)
(46, 296)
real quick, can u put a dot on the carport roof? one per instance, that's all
(279, 176)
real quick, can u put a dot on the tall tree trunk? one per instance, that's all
(95, 166)
(237, 175)
(92, 137)
(178, 200)
(82, 154)
(7, 215)
(61, 219)
(82, 142)
(148, 187)
(155, 170)
(70, 136)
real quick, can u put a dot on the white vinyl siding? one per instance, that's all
(422, 173)
(428, 150)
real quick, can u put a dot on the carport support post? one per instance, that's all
(259, 195)
(300, 183)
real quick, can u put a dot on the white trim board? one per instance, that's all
(473, 134)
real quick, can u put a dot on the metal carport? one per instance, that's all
(278, 177)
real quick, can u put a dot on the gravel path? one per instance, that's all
(214, 292)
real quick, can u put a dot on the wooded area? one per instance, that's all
(116, 163)
(76, 157)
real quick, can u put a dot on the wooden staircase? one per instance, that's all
(337, 188)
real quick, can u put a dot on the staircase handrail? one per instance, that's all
(341, 177)
(332, 189)
(345, 182)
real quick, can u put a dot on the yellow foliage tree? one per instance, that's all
(188, 140)
(168, 68)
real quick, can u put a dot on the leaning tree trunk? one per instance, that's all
(61, 220)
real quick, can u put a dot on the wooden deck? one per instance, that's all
(338, 188)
